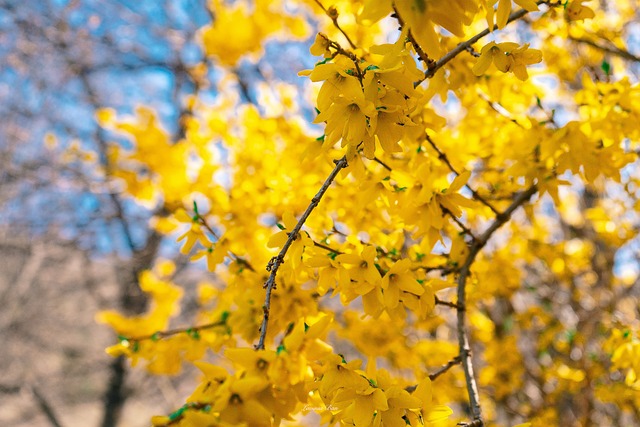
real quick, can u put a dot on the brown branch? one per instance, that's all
(352, 56)
(450, 364)
(45, 407)
(275, 262)
(416, 46)
(327, 248)
(446, 303)
(443, 157)
(381, 163)
(614, 50)
(464, 46)
(455, 219)
(463, 337)
(164, 334)
(332, 13)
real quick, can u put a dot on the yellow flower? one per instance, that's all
(320, 46)
(214, 254)
(575, 11)
(399, 278)
(347, 119)
(339, 79)
(507, 57)
(364, 270)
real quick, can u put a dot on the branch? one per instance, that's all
(327, 248)
(45, 407)
(276, 261)
(352, 56)
(381, 163)
(421, 53)
(332, 13)
(164, 334)
(451, 363)
(446, 303)
(466, 45)
(463, 338)
(614, 50)
(455, 219)
(443, 157)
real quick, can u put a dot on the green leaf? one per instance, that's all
(606, 67)
(280, 226)
(177, 413)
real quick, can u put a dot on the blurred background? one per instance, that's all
(70, 245)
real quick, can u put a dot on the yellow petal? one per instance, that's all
(504, 8)
(529, 5)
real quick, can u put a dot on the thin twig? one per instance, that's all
(327, 248)
(612, 50)
(450, 364)
(463, 337)
(443, 157)
(45, 407)
(275, 262)
(381, 163)
(416, 46)
(237, 258)
(455, 219)
(352, 56)
(171, 332)
(446, 303)
(332, 13)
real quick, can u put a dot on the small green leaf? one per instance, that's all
(155, 336)
(280, 349)
(177, 413)
(195, 207)
(280, 226)
(606, 67)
